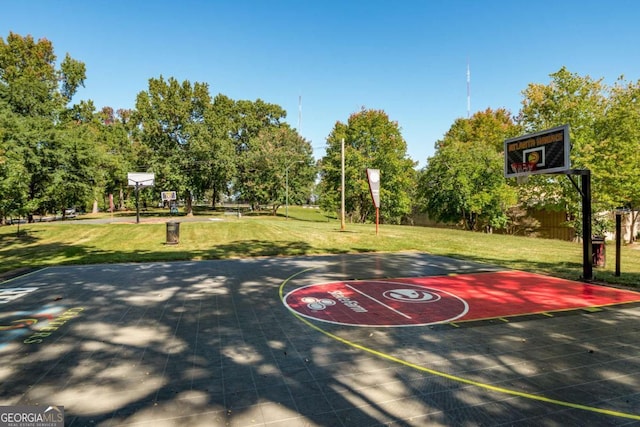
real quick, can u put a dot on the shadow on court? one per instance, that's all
(211, 343)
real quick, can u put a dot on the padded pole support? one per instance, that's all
(585, 192)
(587, 247)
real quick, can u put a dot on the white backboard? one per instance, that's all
(140, 179)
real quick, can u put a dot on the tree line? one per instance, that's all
(56, 154)
(462, 181)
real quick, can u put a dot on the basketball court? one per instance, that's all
(406, 339)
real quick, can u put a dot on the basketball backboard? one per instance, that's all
(538, 153)
(140, 179)
(168, 196)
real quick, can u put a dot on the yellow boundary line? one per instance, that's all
(444, 374)
(547, 313)
(19, 276)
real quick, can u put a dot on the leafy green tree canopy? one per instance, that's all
(491, 127)
(464, 181)
(278, 166)
(171, 115)
(371, 140)
(603, 132)
(46, 160)
(29, 81)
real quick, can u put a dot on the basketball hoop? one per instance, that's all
(523, 170)
(544, 152)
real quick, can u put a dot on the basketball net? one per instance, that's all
(523, 170)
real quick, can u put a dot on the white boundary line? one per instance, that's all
(379, 302)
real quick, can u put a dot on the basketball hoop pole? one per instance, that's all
(585, 193)
(137, 202)
(548, 152)
(139, 180)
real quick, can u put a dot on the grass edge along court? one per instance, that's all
(75, 242)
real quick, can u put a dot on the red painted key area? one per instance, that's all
(445, 299)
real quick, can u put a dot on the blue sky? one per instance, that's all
(408, 58)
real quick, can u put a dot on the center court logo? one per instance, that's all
(376, 303)
(411, 295)
(318, 304)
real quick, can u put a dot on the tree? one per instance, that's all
(34, 95)
(464, 183)
(372, 140)
(580, 102)
(115, 136)
(14, 184)
(567, 99)
(216, 151)
(72, 75)
(491, 127)
(248, 118)
(171, 115)
(615, 160)
(29, 81)
(74, 177)
(279, 159)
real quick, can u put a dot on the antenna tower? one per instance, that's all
(468, 90)
(299, 114)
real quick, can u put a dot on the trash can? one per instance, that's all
(173, 232)
(598, 251)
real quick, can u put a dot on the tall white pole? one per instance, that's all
(342, 225)
(300, 114)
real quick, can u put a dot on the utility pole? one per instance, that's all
(300, 114)
(342, 225)
(468, 90)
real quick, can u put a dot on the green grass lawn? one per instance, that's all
(306, 232)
